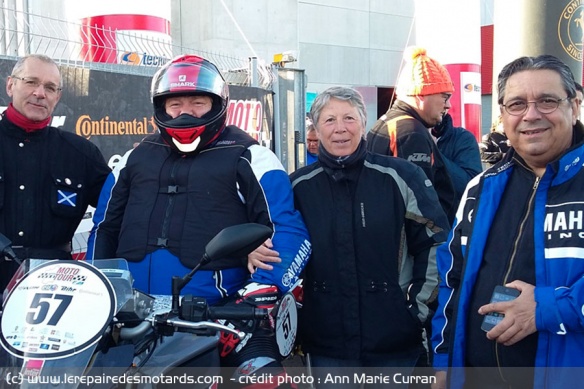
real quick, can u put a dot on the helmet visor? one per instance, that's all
(189, 78)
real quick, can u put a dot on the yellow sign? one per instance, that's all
(87, 127)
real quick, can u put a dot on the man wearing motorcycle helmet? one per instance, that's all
(179, 187)
(190, 103)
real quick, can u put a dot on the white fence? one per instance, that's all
(98, 47)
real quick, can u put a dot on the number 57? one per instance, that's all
(40, 304)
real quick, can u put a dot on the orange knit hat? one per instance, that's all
(422, 75)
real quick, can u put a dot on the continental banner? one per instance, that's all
(114, 111)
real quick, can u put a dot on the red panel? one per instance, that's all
(98, 33)
(487, 39)
(468, 116)
(129, 22)
(472, 114)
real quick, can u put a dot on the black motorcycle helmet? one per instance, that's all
(189, 75)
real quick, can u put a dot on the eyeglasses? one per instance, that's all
(311, 141)
(33, 83)
(544, 105)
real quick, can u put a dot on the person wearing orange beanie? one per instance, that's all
(423, 93)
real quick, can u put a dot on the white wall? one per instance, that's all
(338, 42)
(353, 43)
(248, 28)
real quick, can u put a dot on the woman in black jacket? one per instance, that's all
(375, 222)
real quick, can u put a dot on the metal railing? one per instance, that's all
(102, 48)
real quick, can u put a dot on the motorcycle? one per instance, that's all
(68, 324)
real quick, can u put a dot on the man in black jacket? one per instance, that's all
(48, 177)
(460, 153)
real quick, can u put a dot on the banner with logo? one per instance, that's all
(545, 27)
(570, 22)
(114, 111)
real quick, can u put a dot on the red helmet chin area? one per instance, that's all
(186, 136)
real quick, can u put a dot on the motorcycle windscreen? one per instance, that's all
(24, 268)
(69, 371)
(38, 373)
(118, 273)
(53, 317)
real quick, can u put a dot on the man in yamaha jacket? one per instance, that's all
(520, 224)
(179, 188)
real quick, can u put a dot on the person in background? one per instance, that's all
(178, 188)
(423, 93)
(311, 144)
(460, 153)
(519, 226)
(49, 176)
(495, 144)
(375, 225)
(461, 156)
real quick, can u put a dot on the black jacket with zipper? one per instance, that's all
(374, 227)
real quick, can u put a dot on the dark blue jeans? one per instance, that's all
(376, 372)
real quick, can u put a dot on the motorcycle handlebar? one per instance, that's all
(237, 312)
(233, 312)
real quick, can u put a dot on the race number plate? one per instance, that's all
(56, 310)
(286, 323)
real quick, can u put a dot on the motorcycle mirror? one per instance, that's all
(237, 241)
(234, 241)
(6, 248)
